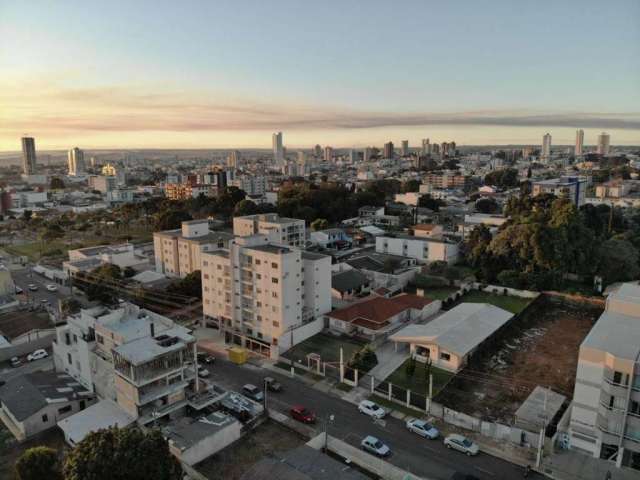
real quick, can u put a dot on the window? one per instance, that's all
(219, 267)
(258, 261)
(206, 276)
(258, 276)
(69, 359)
(445, 356)
(423, 351)
(274, 341)
(274, 265)
(634, 408)
(83, 404)
(274, 280)
(620, 378)
(65, 409)
(274, 294)
(45, 418)
(99, 339)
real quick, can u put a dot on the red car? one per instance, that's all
(303, 414)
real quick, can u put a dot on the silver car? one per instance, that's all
(462, 444)
(373, 445)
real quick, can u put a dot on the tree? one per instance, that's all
(319, 224)
(27, 214)
(38, 463)
(245, 207)
(190, 285)
(410, 367)
(171, 219)
(425, 201)
(411, 186)
(618, 261)
(487, 205)
(69, 306)
(56, 183)
(122, 454)
(505, 178)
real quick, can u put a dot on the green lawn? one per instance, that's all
(327, 346)
(439, 293)
(507, 302)
(419, 382)
(33, 250)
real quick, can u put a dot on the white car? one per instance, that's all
(203, 372)
(371, 409)
(37, 355)
(462, 444)
(422, 428)
(375, 446)
(52, 288)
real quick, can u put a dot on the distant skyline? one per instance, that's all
(223, 74)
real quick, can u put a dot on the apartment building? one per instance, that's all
(184, 191)
(605, 415)
(424, 249)
(140, 359)
(573, 188)
(253, 185)
(178, 252)
(256, 292)
(445, 180)
(279, 230)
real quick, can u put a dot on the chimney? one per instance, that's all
(153, 330)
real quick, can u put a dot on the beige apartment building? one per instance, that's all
(256, 292)
(445, 180)
(279, 230)
(605, 415)
(178, 252)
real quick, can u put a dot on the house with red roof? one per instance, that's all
(376, 316)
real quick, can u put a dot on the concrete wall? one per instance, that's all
(209, 445)
(300, 334)
(510, 291)
(27, 347)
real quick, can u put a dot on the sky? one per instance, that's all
(223, 74)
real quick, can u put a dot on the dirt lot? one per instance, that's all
(267, 439)
(539, 348)
(16, 323)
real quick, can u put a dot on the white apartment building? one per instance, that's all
(252, 185)
(140, 359)
(423, 249)
(178, 252)
(257, 292)
(571, 187)
(605, 415)
(279, 230)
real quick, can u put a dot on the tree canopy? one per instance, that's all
(504, 178)
(38, 463)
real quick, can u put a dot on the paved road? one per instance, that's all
(24, 277)
(7, 373)
(429, 459)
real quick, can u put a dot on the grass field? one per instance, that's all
(419, 382)
(507, 302)
(439, 293)
(327, 346)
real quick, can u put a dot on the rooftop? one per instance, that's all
(539, 407)
(186, 432)
(147, 348)
(375, 312)
(103, 414)
(348, 280)
(276, 249)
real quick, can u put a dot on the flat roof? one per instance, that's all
(459, 330)
(277, 249)
(616, 334)
(147, 348)
(540, 407)
(186, 432)
(101, 415)
(313, 256)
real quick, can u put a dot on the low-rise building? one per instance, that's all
(87, 259)
(444, 180)
(570, 187)
(423, 249)
(332, 238)
(179, 252)
(350, 283)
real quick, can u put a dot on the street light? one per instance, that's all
(327, 419)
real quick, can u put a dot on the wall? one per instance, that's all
(300, 334)
(211, 444)
(27, 347)
(510, 291)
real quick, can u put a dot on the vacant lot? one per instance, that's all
(507, 302)
(10, 449)
(327, 346)
(439, 293)
(14, 324)
(539, 348)
(268, 439)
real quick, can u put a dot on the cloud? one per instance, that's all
(127, 109)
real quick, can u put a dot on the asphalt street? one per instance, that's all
(426, 458)
(7, 372)
(26, 276)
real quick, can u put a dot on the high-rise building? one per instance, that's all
(234, 160)
(76, 165)
(317, 151)
(328, 154)
(388, 150)
(603, 143)
(426, 146)
(353, 155)
(579, 142)
(28, 155)
(405, 148)
(546, 146)
(367, 154)
(278, 149)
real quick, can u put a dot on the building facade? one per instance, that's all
(28, 155)
(279, 230)
(604, 141)
(75, 162)
(573, 188)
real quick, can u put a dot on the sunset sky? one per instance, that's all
(215, 74)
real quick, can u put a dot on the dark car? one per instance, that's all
(302, 414)
(253, 392)
(205, 358)
(272, 384)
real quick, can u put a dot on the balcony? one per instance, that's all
(163, 390)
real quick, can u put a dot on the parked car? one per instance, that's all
(206, 358)
(51, 287)
(462, 444)
(33, 287)
(37, 355)
(253, 392)
(302, 414)
(422, 428)
(19, 290)
(203, 372)
(373, 445)
(371, 409)
(15, 361)
(272, 384)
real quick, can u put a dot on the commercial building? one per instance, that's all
(573, 188)
(28, 155)
(422, 248)
(257, 293)
(184, 191)
(404, 148)
(278, 148)
(328, 154)
(579, 142)
(450, 339)
(179, 252)
(75, 162)
(604, 141)
(279, 230)
(605, 415)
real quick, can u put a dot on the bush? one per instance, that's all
(364, 359)
(429, 281)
